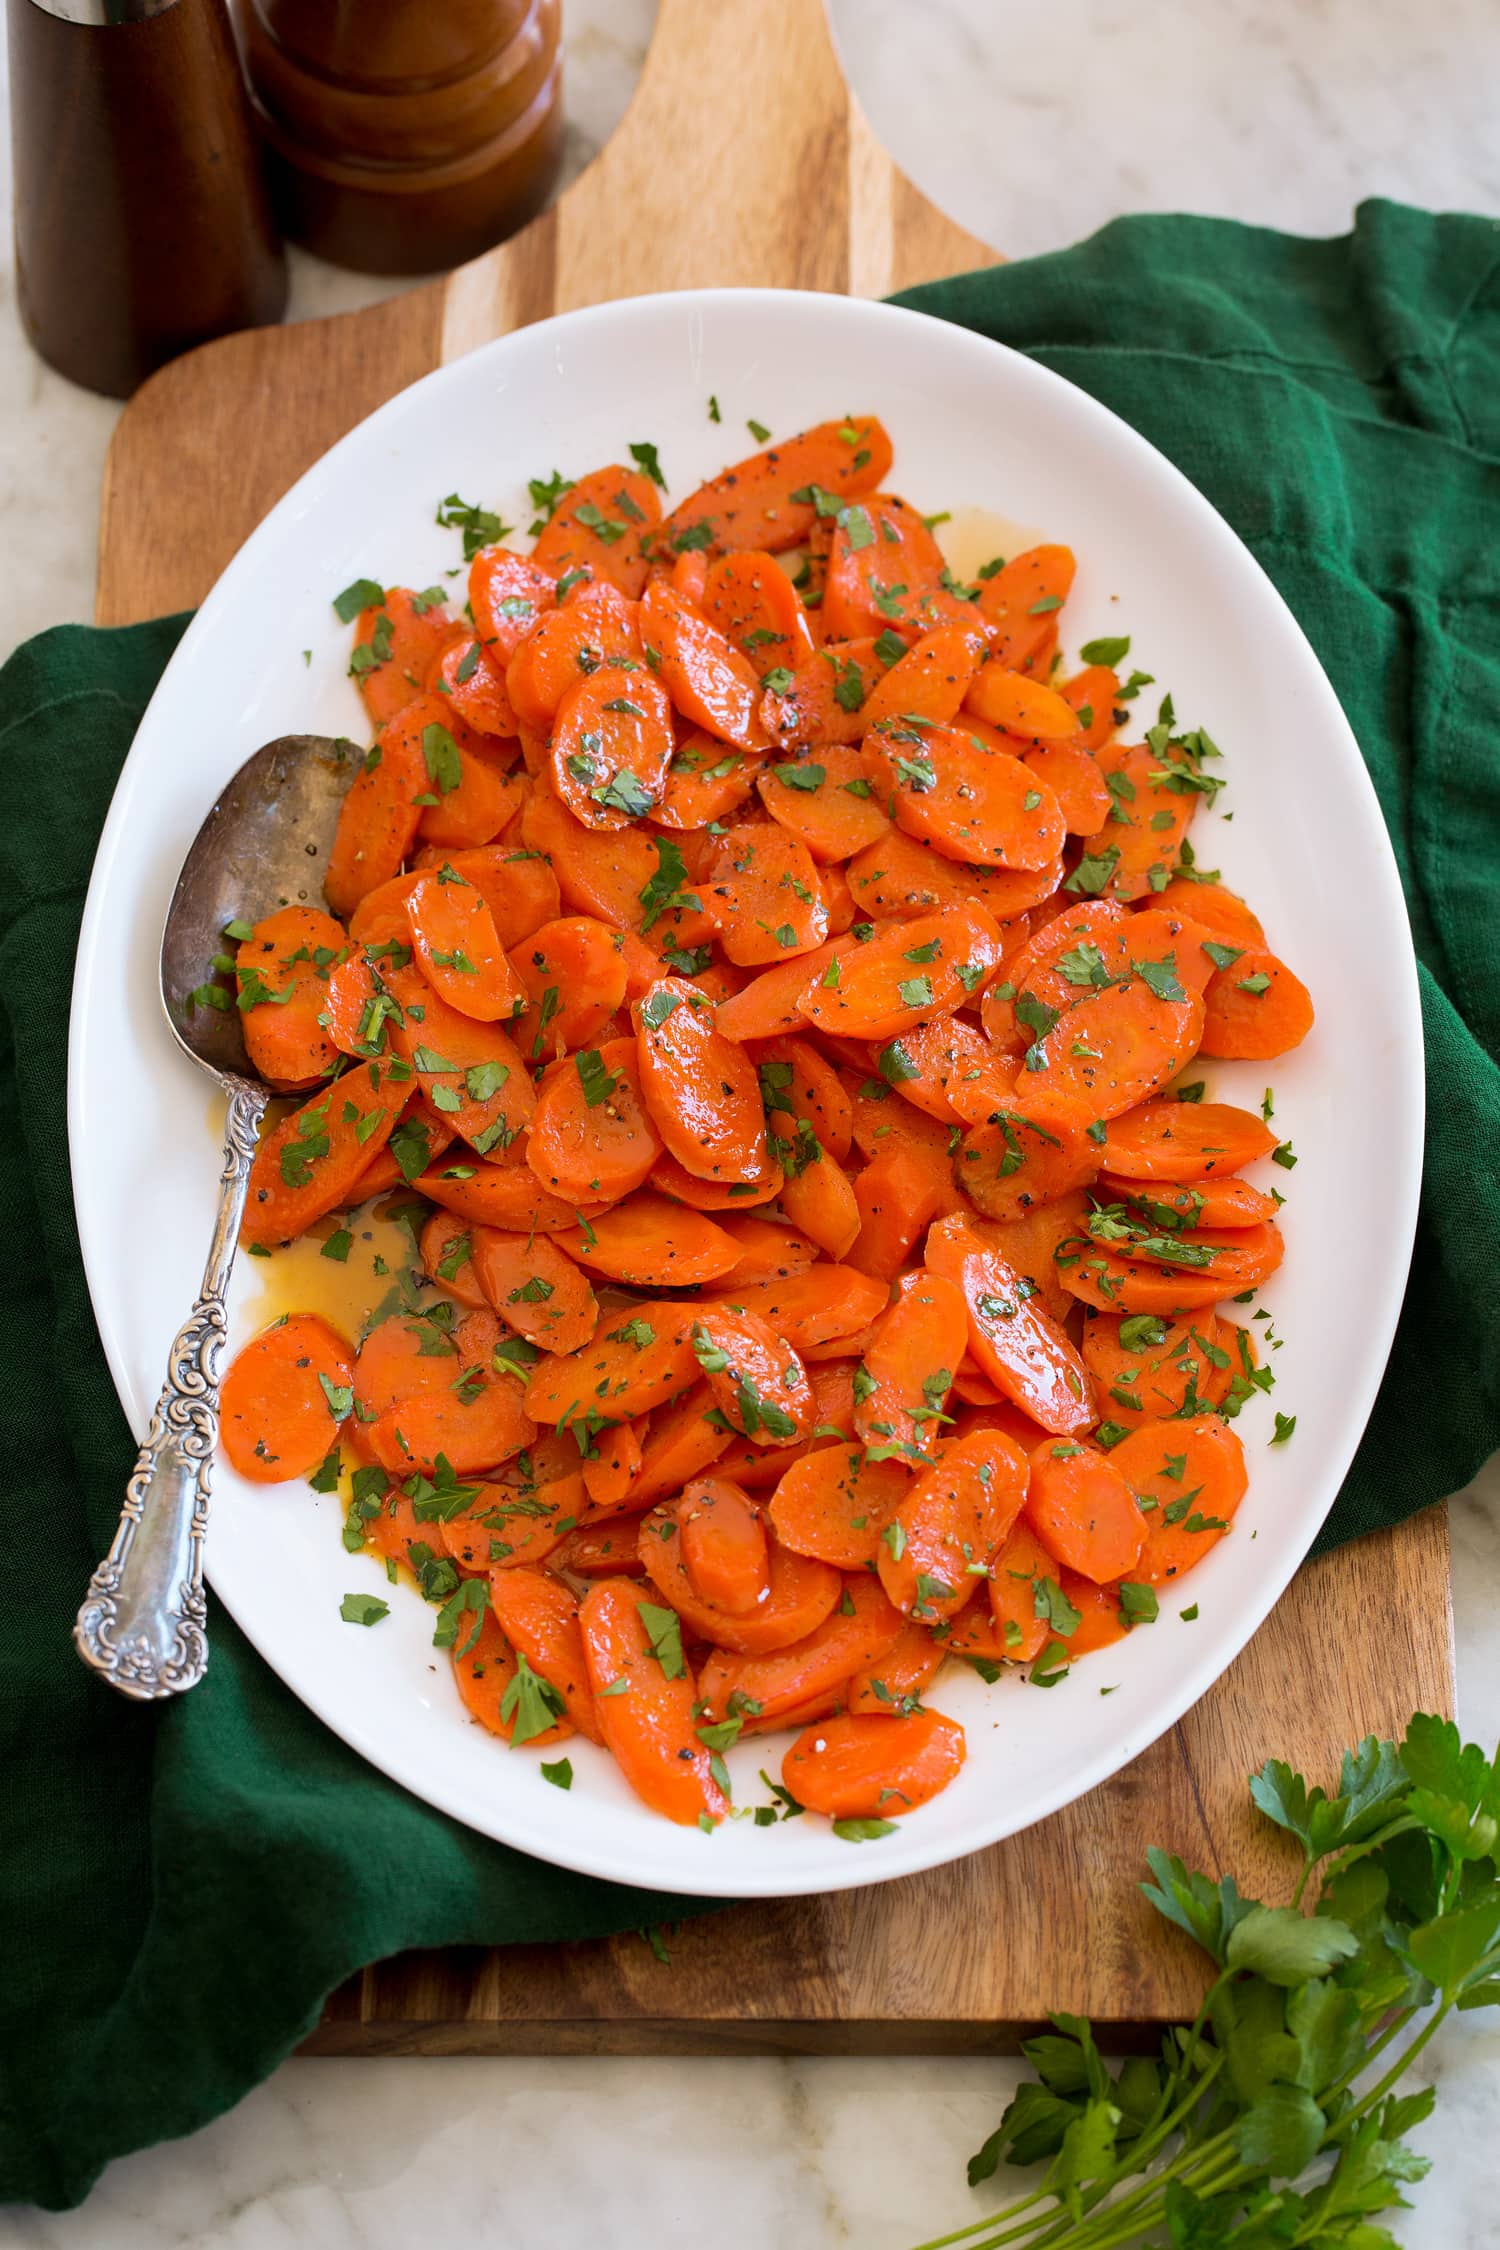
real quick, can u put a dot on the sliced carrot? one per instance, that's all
(377, 823)
(518, 886)
(468, 812)
(484, 1673)
(1082, 1510)
(1021, 601)
(458, 948)
(850, 1639)
(884, 574)
(758, 610)
(395, 641)
(603, 1549)
(591, 1137)
(285, 1397)
(1020, 1623)
(669, 1178)
(768, 1004)
(306, 1165)
(573, 972)
(1214, 907)
(1014, 1164)
(1170, 1140)
(834, 1504)
(1094, 694)
(722, 1537)
(763, 890)
(908, 1368)
(1031, 1244)
(866, 1768)
(759, 1383)
(699, 1086)
(682, 1440)
(926, 687)
(611, 1468)
(892, 1688)
(1200, 1203)
(1255, 1009)
(475, 1427)
(1115, 1047)
(1150, 1369)
(638, 1360)
(1070, 771)
(539, 1618)
(824, 700)
(1195, 1473)
(653, 1242)
(795, 1077)
(1100, 1619)
(446, 1250)
(705, 781)
(474, 686)
(597, 627)
(906, 974)
(951, 1524)
(767, 502)
(471, 1073)
(601, 525)
(897, 1195)
(709, 681)
(507, 594)
(900, 876)
(802, 1593)
(817, 1306)
(1011, 1336)
(282, 971)
(1165, 1282)
(611, 745)
(644, 1699)
(1019, 704)
(971, 802)
(827, 801)
(817, 1195)
(1142, 840)
(535, 1287)
(768, 1250)
(1056, 966)
(512, 1523)
(497, 1195)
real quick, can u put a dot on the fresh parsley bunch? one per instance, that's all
(1273, 2119)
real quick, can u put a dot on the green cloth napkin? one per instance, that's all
(183, 1887)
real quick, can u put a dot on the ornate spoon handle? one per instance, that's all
(142, 1625)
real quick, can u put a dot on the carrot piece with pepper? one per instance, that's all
(824, 700)
(306, 1165)
(884, 574)
(1033, 1242)
(1071, 772)
(599, 626)
(474, 686)
(817, 1194)
(611, 1467)
(723, 1545)
(906, 974)
(1013, 1163)
(496, 1195)
(834, 1504)
(758, 610)
(446, 1250)
(602, 525)
(414, 1352)
(700, 1087)
(1082, 1510)
(485, 1673)
(517, 886)
(637, 1361)
(767, 1005)
(928, 684)
(644, 1698)
(1011, 1336)
(1197, 1203)
(908, 1368)
(763, 889)
(458, 949)
(1021, 602)
(795, 1077)
(611, 746)
(471, 810)
(1195, 1473)
(286, 1395)
(1169, 1140)
(757, 1378)
(813, 1307)
(951, 1524)
(901, 875)
(681, 1442)
(473, 1426)
(1151, 1369)
(826, 800)
(1020, 1626)
(573, 974)
(395, 641)
(1214, 908)
(612, 884)
(1069, 956)
(508, 593)
(591, 1137)
(767, 502)
(705, 781)
(1169, 1273)
(1019, 704)
(1115, 1047)
(1143, 837)
(470, 1073)
(377, 823)
(768, 1249)
(535, 1287)
(669, 1178)
(1094, 694)
(508, 1525)
(802, 1593)
(857, 1767)
(652, 1242)
(971, 802)
(849, 1639)
(539, 1618)
(709, 681)
(896, 1194)
(892, 1688)
(282, 970)
(1255, 1009)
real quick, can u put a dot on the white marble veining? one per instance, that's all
(1032, 127)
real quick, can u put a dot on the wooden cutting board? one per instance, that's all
(744, 159)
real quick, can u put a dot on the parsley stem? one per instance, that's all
(977, 2226)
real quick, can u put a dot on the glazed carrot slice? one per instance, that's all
(517, 885)
(1150, 1369)
(535, 1287)
(474, 686)
(767, 502)
(413, 1352)
(709, 681)
(971, 802)
(827, 800)
(1082, 1510)
(507, 595)
(1094, 694)
(901, 875)
(950, 1525)
(1014, 1164)
(926, 685)
(850, 1639)
(835, 1504)
(474, 1424)
(763, 889)
(1202, 1203)
(1032, 1242)
(892, 1689)
(908, 1368)
(470, 811)
(446, 1250)
(1255, 1009)
(1070, 771)
(539, 1618)
(824, 700)
(866, 1768)
(458, 949)
(758, 610)
(699, 1086)
(722, 1542)
(1115, 1047)
(906, 974)
(1143, 837)
(508, 1525)
(611, 746)
(618, 883)
(597, 627)
(681, 1442)
(1195, 1473)
(1021, 601)
(282, 972)
(1021, 1625)
(306, 1165)
(377, 823)
(897, 1193)
(497, 1195)
(591, 1137)
(816, 1306)
(601, 525)
(885, 574)
(637, 1361)
(669, 1179)
(768, 1250)
(644, 1699)
(759, 1383)
(653, 1242)
(603, 1549)
(795, 1077)
(802, 1593)
(1013, 1339)
(817, 1194)
(573, 973)
(471, 1073)
(1160, 1278)
(1170, 1140)
(768, 1003)
(1019, 704)
(395, 641)
(1071, 955)
(285, 1397)
(705, 781)
(1215, 908)
(484, 1673)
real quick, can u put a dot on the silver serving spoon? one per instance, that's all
(264, 844)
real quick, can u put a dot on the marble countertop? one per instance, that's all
(1031, 130)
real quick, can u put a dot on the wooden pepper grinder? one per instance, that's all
(143, 225)
(405, 135)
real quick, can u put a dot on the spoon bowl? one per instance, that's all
(264, 844)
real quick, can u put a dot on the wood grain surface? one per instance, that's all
(743, 158)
